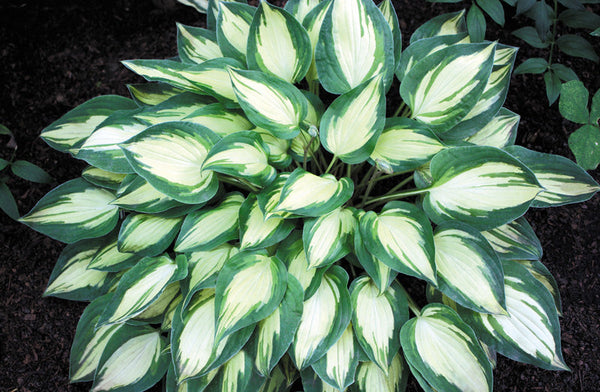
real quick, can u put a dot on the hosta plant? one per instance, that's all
(295, 202)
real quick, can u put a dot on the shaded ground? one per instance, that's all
(55, 55)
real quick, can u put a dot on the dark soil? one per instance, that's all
(56, 54)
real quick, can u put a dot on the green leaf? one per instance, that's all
(196, 45)
(170, 156)
(233, 28)
(595, 108)
(531, 36)
(596, 33)
(553, 84)
(573, 4)
(541, 13)
(30, 172)
(150, 94)
(309, 195)
(352, 123)
(574, 101)
(278, 44)
(7, 202)
(500, 132)
(563, 72)
(72, 279)
(142, 285)
(377, 318)
(482, 186)
(434, 94)
(476, 24)
(338, 366)
(103, 178)
(269, 102)
(74, 211)
(346, 56)
(79, 123)
(132, 362)
(4, 130)
(401, 237)
(515, 240)
(241, 155)
(577, 46)
(494, 9)
(530, 333)
(585, 144)
(469, 271)
(3, 164)
(446, 24)
(274, 334)
(210, 227)
(147, 235)
(444, 353)
(249, 288)
(325, 317)
(329, 237)
(563, 181)
(256, 232)
(580, 19)
(534, 65)
(370, 378)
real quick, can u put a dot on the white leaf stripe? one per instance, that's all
(233, 27)
(102, 178)
(515, 240)
(108, 258)
(150, 94)
(381, 274)
(445, 24)
(258, 232)
(370, 378)
(300, 8)
(500, 131)
(197, 45)
(147, 235)
(329, 237)
(138, 195)
(220, 120)
(338, 366)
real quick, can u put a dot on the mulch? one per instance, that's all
(55, 55)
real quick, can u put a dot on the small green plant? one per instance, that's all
(585, 141)
(20, 168)
(253, 216)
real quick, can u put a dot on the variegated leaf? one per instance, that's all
(256, 231)
(541, 273)
(312, 382)
(444, 353)
(169, 313)
(150, 94)
(109, 259)
(174, 108)
(325, 317)
(401, 237)
(89, 342)
(347, 56)
(530, 332)
(329, 237)
(241, 155)
(564, 182)
(210, 227)
(300, 8)
(405, 145)
(196, 45)
(101, 148)
(165, 71)
(136, 194)
(154, 313)
(274, 334)
(389, 13)
(446, 24)
(277, 149)
(147, 235)
(170, 157)
(500, 131)
(204, 266)
(132, 361)
(312, 23)
(193, 346)
(250, 287)
(381, 274)
(291, 252)
(277, 382)
(338, 366)
(269, 197)
(302, 143)
(233, 28)
(269, 102)
(353, 122)
(442, 88)
(196, 384)
(278, 44)
(370, 378)
(212, 78)
(479, 185)
(213, 10)
(469, 271)
(309, 195)
(236, 375)
(103, 178)
(75, 126)
(515, 240)
(140, 286)
(72, 279)
(377, 318)
(74, 211)
(219, 119)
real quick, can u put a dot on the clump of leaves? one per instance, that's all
(252, 216)
(20, 168)
(585, 141)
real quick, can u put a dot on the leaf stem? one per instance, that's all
(370, 185)
(333, 160)
(554, 20)
(412, 305)
(406, 112)
(399, 195)
(400, 107)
